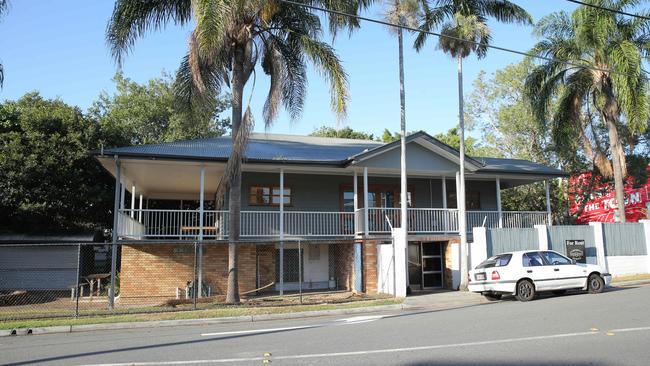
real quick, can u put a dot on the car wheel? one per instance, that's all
(525, 290)
(595, 284)
(559, 292)
(492, 296)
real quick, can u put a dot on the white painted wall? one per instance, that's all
(627, 265)
(385, 268)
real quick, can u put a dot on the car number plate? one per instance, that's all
(480, 276)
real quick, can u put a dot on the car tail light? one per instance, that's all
(495, 276)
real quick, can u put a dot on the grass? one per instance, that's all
(226, 311)
(635, 277)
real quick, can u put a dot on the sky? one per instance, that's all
(58, 48)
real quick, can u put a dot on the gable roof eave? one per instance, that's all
(430, 143)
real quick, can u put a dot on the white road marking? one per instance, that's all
(370, 352)
(361, 319)
(353, 320)
(639, 329)
(267, 330)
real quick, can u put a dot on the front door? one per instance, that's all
(425, 265)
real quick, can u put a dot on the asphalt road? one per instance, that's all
(612, 328)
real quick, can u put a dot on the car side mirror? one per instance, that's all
(573, 261)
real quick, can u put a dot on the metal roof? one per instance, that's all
(261, 147)
(277, 148)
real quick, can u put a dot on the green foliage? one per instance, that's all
(345, 133)
(472, 145)
(48, 180)
(148, 113)
(387, 136)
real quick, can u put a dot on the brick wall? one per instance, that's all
(448, 261)
(342, 256)
(369, 251)
(157, 270)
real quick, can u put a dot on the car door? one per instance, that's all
(567, 274)
(533, 267)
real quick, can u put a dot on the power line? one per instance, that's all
(609, 9)
(522, 53)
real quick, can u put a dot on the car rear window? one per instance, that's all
(500, 260)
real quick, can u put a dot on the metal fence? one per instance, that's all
(508, 240)
(74, 279)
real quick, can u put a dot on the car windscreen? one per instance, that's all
(500, 260)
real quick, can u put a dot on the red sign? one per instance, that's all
(598, 204)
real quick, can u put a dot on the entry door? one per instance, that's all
(415, 266)
(432, 265)
(425, 265)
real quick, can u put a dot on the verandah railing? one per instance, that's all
(186, 224)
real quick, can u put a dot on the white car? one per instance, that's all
(524, 273)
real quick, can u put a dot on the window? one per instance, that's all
(553, 258)
(496, 261)
(532, 259)
(472, 200)
(268, 196)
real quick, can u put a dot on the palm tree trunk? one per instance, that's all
(462, 219)
(611, 114)
(402, 100)
(234, 199)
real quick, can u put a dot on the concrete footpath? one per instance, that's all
(431, 301)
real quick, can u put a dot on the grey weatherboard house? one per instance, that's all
(319, 190)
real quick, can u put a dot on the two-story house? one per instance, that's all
(338, 197)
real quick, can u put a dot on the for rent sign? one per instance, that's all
(596, 203)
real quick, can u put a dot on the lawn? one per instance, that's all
(183, 311)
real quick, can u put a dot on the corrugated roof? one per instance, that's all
(261, 147)
(517, 166)
(303, 149)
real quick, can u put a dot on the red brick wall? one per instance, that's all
(156, 270)
(369, 251)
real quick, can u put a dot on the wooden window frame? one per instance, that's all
(271, 195)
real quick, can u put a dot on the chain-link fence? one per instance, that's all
(72, 280)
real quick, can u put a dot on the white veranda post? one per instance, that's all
(281, 230)
(549, 215)
(199, 285)
(499, 209)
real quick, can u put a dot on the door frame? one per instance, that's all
(440, 257)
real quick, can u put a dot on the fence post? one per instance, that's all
(195, 288)
(76, 291)
(116, 213)
(599, 242)
(542, 235)
(646, 232)
(300, 256)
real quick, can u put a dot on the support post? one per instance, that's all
(133, 201)
(365, 201)
(499, 209)
(542, 236)
(281, 230)
(646, 234)
(199, 285)
(444, 203)
(356, 202)
(140, 210)
(549, 217)
(116, 213)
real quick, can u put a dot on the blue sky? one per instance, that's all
(58, 48)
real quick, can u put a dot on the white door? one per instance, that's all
(534, 268)
(567, 274)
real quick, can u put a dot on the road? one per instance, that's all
(612, 328)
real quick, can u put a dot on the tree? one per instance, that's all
(344, 133)
(148, 114)
(466, 31)
(228, 41)
(472, 146)
(48, 180)
(387, 136)
(604, 80)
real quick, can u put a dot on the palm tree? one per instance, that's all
(605, 74)
(403, 13)
(4, 5)
(229, 39)
(466, 31)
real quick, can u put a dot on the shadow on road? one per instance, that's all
(506, 363)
